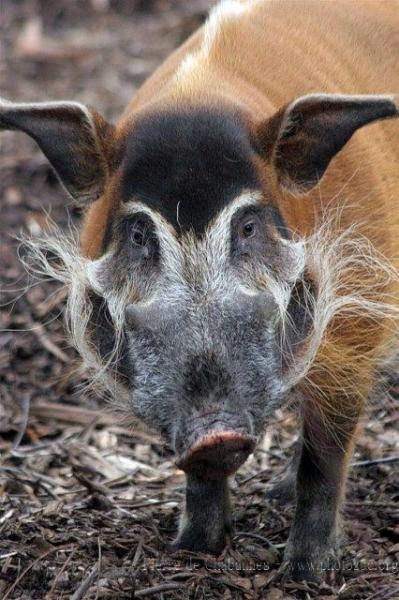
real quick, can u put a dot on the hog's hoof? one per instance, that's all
(321, 564)
(301, 568)
(214, 548)
(199, 541)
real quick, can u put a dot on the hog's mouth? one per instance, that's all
(217, 454)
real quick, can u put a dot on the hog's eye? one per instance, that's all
(248, 233)
(138, 237)
(248, 229)
(139, 233)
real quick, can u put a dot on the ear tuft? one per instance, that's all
(74, 138)
(303, 137)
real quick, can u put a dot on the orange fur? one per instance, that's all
(274, 51)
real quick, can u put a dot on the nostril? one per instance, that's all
(217, 455)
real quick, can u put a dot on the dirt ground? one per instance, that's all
(88, 507)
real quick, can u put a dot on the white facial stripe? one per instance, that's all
(216, 244)
(133, 207)
(207, 260)
(219, 226)
(202, 262)
(247, 198)
(171, 250)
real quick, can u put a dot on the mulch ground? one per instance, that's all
(88, 506)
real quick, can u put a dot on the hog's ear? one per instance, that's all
(73, 138)
(302, 138)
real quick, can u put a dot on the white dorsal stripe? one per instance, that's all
(227, 9)
(221, 13)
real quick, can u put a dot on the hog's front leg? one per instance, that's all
(315, 534)
(206, 521)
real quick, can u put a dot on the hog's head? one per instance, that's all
(189, 276)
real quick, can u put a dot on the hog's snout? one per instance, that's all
(217, 455)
